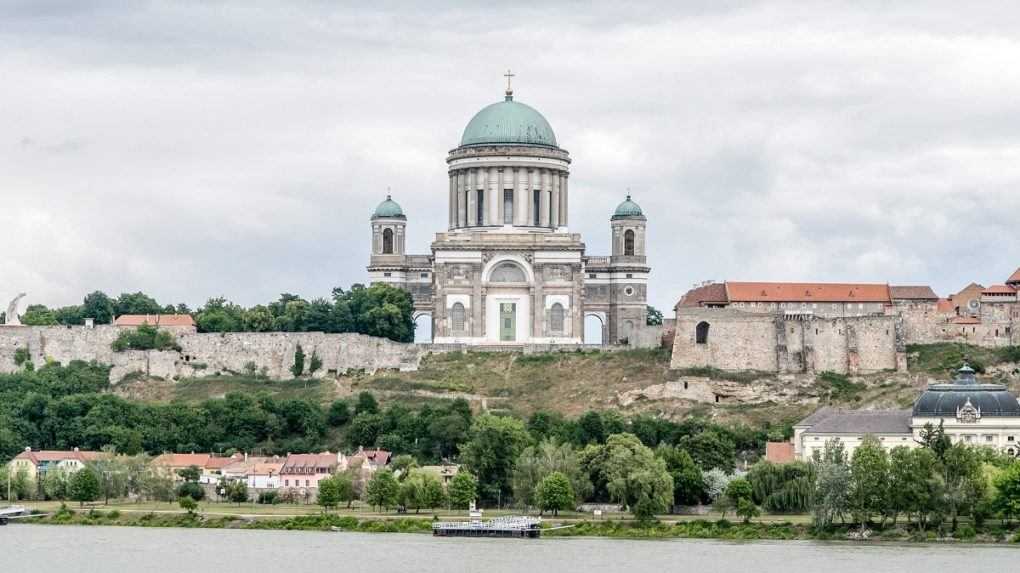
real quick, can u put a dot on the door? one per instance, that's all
(508, 322)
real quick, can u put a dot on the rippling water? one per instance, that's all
(45, 549)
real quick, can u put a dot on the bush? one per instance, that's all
(145, 337)
(271, 497)
(192, 490)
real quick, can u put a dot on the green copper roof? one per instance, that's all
(508, 122)
(388, 208)
(628, 209)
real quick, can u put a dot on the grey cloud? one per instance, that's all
(237, 148)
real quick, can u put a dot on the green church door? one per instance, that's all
(508, 322)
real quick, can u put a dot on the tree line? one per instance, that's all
(377, 310)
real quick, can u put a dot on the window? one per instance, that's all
(457, 317)
(556, 318)
(286, 482)
(508, 273)
(424, 275)
(628, 242)
(480, 208)
(630, 275)
(387, 242)
(701, 333)
(387, 274)
(592, 276)
(508, 206)
(537, 205)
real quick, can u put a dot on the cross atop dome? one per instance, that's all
(509, 90)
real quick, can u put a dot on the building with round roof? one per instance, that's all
(965, 396)
(507, 269)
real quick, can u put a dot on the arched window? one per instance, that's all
(508, 273)
(628, 242)
(457, 317)
(387, 242)
(701, 333)
(556, 318)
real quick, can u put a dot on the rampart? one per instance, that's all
(205, 354)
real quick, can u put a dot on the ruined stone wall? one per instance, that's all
(771, 343)
(271, 353)
(997, 327)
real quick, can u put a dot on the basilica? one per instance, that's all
(507, 270)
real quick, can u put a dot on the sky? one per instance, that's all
(200, 149)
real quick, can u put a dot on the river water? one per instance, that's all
(46, 548)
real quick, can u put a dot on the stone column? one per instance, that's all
(453, 200)
(565, 195)
(520, 196)
(493, 196)
(554, 216)
(471, 196)
(500, 185)
(460, 199)
(543, 181)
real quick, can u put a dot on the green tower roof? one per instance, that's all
(508, 122)
(628, 209)
(388, 208)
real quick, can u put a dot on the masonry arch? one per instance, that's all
(422, 327)
(458, 318)
(505, 265)
(595, 328)
(701, 332)
(628, 242)
(387, 241)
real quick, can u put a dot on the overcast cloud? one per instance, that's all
(192, 150)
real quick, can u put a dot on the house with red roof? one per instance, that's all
(35, 463)
(179, 323)
(301, 473)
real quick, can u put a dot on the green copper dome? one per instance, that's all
(628, 209)
(388, 208)
(508, 122)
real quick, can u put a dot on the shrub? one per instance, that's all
(21, 356)
(145, 337)
(270, 497)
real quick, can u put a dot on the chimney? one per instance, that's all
(245, 456)
(28, 448)
(76, 448)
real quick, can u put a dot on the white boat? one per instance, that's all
(12, 512)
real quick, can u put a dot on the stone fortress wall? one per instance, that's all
(737, 340)
(207, 354)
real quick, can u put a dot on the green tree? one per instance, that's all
(422, 489)
(963, 480)
(190, 473)
(654, 316)
(494, 445)
(83, 486)
(935, 439)
(382, 491)
(869, 480)
(740, 495)
(379, 310)
(783, 488)
(145, 337)
(329, 493)
(38, 315)
(366, 404)
(136, 303)
(635, 477)
(463, 489)
(1007, 492)
(315, 363)
(55, 484)
(832, 484)
(554, 493)
(298, 368)
(188, 504)
(339, 413)
(237, 491)
(688, 482)
(537, 462)
(99, 307)
(402, 466)
(710, 449)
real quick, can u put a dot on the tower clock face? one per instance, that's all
(973, 304)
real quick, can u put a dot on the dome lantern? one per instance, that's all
(388, 209)
(627, 209)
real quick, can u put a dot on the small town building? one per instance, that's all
(180, 323)
(970, 412)
(36, 463)
(301, 473)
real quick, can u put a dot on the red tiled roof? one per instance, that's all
(945, 305)
(798, 292)
(378, 457)
(182, 460)
(37, 457)
(1014, 278)
(912, 293)
(779, 452)
(710, 293)
(216, 463)
(155, 320)
(999, 289)
(297, 462)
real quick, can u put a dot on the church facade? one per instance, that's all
(508, 270)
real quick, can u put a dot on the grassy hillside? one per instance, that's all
(630, 381)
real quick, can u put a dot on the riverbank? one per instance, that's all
(721, 529)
